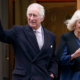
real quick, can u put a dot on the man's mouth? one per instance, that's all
(32, 22)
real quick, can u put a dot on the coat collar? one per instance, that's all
(69, 39)
(45, 45)
(73, 40)
(32, 39)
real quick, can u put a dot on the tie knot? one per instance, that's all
(36, 31)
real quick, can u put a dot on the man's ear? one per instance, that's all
(42, 19)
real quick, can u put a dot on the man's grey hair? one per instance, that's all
(41, 12)
(71, 23)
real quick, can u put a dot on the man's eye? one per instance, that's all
(30, 14)
(34, 15)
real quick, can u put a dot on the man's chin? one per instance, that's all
(32, 26)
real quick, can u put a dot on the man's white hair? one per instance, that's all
(71, 23)
(41, 12)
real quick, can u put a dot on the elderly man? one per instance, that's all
(33, 46)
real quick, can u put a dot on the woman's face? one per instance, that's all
(77, 28)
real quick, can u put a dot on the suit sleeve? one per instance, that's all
(8, 36)
(65, 59)
(53, 67)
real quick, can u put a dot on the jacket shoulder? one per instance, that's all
(67, 35)
(50, 33)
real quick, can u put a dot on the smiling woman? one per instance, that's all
(68, 50)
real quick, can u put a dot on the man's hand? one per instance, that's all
(52, 75)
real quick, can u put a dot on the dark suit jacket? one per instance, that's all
(30, 62)
(69, 39)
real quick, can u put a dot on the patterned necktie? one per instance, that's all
(39, 39)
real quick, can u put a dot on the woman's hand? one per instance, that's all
(76, 54)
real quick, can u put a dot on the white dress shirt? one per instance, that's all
(39, 36)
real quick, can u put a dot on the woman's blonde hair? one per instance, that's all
(72, 22)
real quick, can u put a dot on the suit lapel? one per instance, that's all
(46, 39)
(31, 37)
(45, 45)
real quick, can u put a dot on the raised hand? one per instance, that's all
(76, 54)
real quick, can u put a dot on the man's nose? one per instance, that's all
(32, 17)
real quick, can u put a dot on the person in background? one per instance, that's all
(68, 50)
(34, 47)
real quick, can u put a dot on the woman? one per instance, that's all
(68, 50)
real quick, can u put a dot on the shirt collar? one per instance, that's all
(39, 29)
